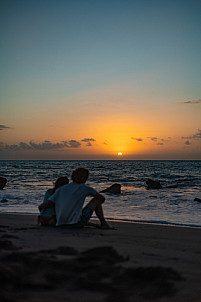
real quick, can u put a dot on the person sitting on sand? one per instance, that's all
(69, 200)
(48, 216)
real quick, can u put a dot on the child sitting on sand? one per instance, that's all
(48, 216)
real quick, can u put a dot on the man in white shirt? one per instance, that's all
(69, 199)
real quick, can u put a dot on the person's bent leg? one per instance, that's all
(96, 205)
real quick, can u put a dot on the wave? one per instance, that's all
(155, 222)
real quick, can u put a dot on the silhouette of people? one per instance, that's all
(69, 199)
(48, 215)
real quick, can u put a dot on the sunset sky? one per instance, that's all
(86, 79)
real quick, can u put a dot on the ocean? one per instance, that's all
(174, 204)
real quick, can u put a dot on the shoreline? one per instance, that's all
(159, 223)
(163, 251)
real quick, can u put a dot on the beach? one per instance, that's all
(134, 262)
(27, 182)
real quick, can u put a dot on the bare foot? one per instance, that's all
(95, 225)
(106, 226)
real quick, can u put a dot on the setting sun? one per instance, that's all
(119, 154)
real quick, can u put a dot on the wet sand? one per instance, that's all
(135, 262)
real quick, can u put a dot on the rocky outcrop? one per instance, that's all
(3, 182)
(153, 184)
(197, 199)
(114, 189)
(4, 200)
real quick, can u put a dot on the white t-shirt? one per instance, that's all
(69, 200)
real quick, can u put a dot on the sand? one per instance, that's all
(135, 262)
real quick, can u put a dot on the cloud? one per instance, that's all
(137, 139)
(3, 127)
(194, 102)
(89, 141)
(5, 147)
(24, 146)
(153, 138)
(197, 135)
(73, 144)
(106, 142)
(46, 145)
(159, 141)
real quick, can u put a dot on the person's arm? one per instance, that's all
(95, 194)
(100, 197)
(46, 204)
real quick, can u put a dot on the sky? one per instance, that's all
(86, 79)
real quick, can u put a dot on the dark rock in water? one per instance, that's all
(4, 200)
(114, 189)
(153, 184)
(197, 199)
(3, 182)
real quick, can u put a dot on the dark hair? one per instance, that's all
(80, 175)
(63, 180)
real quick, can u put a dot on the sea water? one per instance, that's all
(173, 204)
